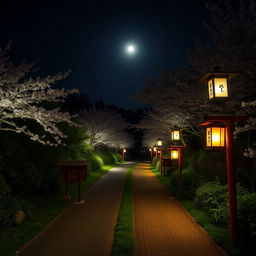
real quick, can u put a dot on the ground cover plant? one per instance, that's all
(123, 242)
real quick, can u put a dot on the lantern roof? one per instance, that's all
(213, 119)
(216, 73)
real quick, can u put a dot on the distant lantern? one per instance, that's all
(159, 142)
(150, 149)
(155, 148)
(174, 154)
(175, 134)
(124, 150)
(218, 83)
(158, 151)
(215, 137)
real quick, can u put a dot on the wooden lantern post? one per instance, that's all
(176, 154)
(228, 122)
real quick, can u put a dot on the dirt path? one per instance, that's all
(86, 229)
(162, 226)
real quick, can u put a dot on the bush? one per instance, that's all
(8, 205)
(212, 198)
(110, 157)
(191, 181)
(247, 213)
(210, 164)
(95, 162)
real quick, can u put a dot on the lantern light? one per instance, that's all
(175, 135)
(158, 151)
(159, 142)
(215, 137)
(124, 150)
(174, 154)
(155, 148)
(150, 149)
(218, 83)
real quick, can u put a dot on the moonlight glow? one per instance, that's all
(130, 49)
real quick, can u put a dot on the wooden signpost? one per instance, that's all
(72, 171)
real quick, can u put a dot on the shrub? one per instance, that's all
(210, 164)
(212, 198)
(191, 181)
(118, 157)
(95, 162)
(8, 205)
(247, 213)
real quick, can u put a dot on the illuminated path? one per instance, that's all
(85, 229)
(162, 226)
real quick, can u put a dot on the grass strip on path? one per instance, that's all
(43, 209)
(124, 242)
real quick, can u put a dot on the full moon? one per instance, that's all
(130, 49)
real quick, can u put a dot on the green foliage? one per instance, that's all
(210, 164)
(212, 198)
(123, 242)
(247, 213)
(191, 181)
(95, 162)
(34, 170)
(8, 205)
(110, 157)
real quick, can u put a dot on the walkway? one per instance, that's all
(162, 226)
(84, 229)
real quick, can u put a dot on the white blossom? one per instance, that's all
(23, 98)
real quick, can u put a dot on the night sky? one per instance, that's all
(90, 38)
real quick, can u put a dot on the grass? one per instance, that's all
(123, 243)
(42, 210)
(219, 234)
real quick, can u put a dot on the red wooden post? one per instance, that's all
(231, 181)
(123, 155)
(180, 166)
(161, 164)
(151, 154)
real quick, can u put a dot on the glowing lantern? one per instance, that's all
(159, 142)
(174, 154)
(215, 137)
(124, 150)
(175, 135)
(150, 149)
(155, 148)
(218, 83)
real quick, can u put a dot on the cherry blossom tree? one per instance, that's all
(105, 127)
(24, 99)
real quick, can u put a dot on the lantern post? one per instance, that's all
(151, 153)
(228, 123)
(123, 153)
(218, 88)
(176, 153)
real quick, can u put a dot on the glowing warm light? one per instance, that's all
(150, 149)
(215, 137)
(175, 135)
(124, 150)
(174, 154)
(159, 142)
(155, 148)
(218, 87)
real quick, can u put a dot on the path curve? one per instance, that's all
(162, 226)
